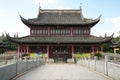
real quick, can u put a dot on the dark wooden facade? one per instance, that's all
(60, 33)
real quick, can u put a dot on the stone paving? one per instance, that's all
(62, 71)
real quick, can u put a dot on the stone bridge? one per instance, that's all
(62, 71)
(37, 70)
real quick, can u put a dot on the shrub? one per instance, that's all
(33, 55)
(24, 55)
(86, 55)
(77, 55)
(1, 51)
(98, 55)
(44, 55)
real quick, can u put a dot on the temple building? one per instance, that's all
(60, 32)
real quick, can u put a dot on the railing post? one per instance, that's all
(16, 62)
(107, 59)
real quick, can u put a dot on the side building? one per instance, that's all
(60, 33)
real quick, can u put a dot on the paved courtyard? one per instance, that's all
(62, 71)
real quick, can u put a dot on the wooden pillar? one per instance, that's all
(72, 51)
(89, 31)
(92, 50)
(98, 50)
(48, 30)
(48, 51)
(30, 31)
(101, 49)
(27, 50)
(71, 31)
(19, 54)
(21, 51)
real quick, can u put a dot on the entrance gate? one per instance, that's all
(60, 53)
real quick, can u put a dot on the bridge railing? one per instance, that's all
(11, 70)
(6, 58)
(103, 66)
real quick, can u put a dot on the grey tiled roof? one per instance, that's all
(59, 17)
(114, 43)
(60, 39)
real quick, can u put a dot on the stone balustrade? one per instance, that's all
(105, 67)
(11, 70)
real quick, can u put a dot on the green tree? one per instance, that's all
(3, 36)
(10, 45)
(106, 47)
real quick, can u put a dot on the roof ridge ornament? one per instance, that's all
(39, 7)
(82, 17)
(39, 11)
(80, 6)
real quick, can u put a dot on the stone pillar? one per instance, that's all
(72, 51)
(107, 59)
(15, 58)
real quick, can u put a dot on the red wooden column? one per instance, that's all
(27, 50)
(19, 54)
(92, 50)
(89, 31)
(48, 51)
(48, 30)
(21, 51)
(30, 31)
(24, 49)
(101, 49)
(72, 51)
(97, 50)
(71, 31)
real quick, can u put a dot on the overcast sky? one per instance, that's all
(109, 9)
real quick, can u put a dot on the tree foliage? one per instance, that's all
(106, 47)
(8, 44)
